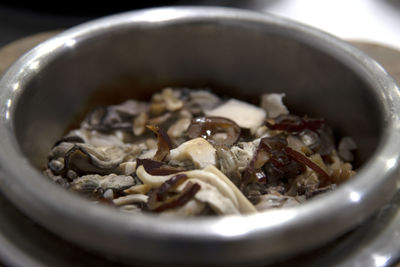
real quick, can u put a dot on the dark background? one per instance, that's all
(19, 18)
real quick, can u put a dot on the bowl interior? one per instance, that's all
(231, 58)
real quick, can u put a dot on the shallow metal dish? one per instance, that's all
(235, 52)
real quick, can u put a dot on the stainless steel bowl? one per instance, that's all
(235, 52)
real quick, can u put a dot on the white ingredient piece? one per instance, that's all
(215, 189)
(198, 150)
(213, 197)
(273, 105)
(346, 145)
(245, 115)
(129, 199)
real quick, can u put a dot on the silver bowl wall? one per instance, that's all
(234, 52)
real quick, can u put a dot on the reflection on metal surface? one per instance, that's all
(70, 43)
(160, 16)
(355, 196)
(16, 86)
(229, 226)
(34, 65)
(7, 112)
(390, 163)
(225, 228)
(380, 260)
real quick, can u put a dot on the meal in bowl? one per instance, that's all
(190, 152)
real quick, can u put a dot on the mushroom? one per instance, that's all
(201, 100)
(130, 199)
(167, 197)
(210, 176)
(126, 168)
(139, 123)
(171, 99)
(89, 184)
(163, 142)
(295, 124)
(345, 147)
(110, 118)
(86, 159)
(273, 105)
(215, 199)
(245, 115)
(217, 130)
(151, 180)
(138, 189)
(177, 129)
(198, 150)
(168, 100)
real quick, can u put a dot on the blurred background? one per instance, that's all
(364, 20)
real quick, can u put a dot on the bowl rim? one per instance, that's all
(350, 204)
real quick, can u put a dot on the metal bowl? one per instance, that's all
(235, 52)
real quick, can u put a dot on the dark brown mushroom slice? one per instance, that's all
(271, 162)
(164, 144)
(208, 127)
(154, 167)
(170, 184)
(177, 200)
(294, 124)
(299, 157)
